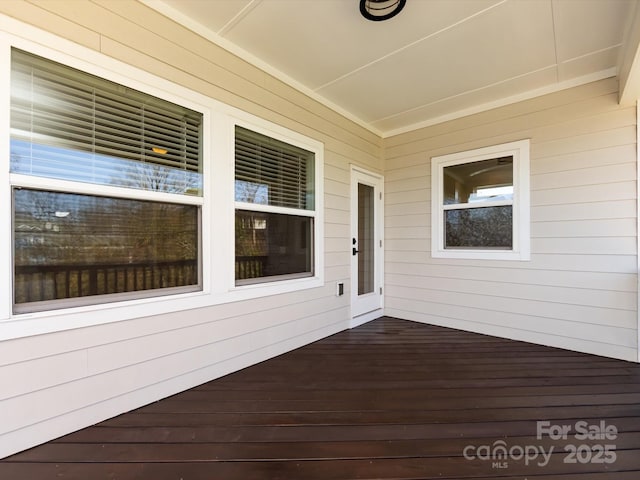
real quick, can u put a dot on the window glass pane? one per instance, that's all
(68, 246)
(71, 125)
(486, 180)
(271, 172)
(366, 238)
(486, 227)
(270, 245)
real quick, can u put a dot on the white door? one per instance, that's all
(366, 244)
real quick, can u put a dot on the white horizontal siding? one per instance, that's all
(608, 281)
(552, 262)
(128, 376)
(498, 290)
(548, 309)
(60, 421)
(608, 334)
(604, 210)
(518, 332)
(580, 289)
(616, 227)
(489, 127)
(63, 381)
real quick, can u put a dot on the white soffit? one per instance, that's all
(437, 60)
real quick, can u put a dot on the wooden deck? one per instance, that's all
(391, 399)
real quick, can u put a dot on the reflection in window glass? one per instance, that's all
(272, 172)
(481, 202)
(29, 158)
(486, 227)
(68, 246)
(273, 242)
(486, 180)
(366, 238)
(69, 124)
(252, 192)
(272, 245)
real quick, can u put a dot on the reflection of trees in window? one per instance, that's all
(251, 228)
(270, 244)
(60, 228)
(252, 192)
(69, 125)
(279, 177)
(55, 162)
(72, 125)
(70, 245)
(158, 178)
(488, 227)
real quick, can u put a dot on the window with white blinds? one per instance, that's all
(68, 124)
(271, 172)
(272, 178)
(117, 194)
(74, 248)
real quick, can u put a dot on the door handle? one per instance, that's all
(354, 251)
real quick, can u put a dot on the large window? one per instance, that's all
(275, 209)
(480, 203)
(107, 186)
(128, 195)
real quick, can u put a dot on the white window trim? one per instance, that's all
(274, 287)
(521, 202)
(218, 202)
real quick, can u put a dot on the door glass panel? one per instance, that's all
(365, 239)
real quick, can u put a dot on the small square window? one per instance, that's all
(480, 203)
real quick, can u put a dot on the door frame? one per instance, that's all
(376, 310)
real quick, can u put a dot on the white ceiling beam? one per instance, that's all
(629, 66)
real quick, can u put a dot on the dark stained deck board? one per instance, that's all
(248, 451)
(335, 469)
(310, 417)
(385, 403)
(321, 433)
(391, 399)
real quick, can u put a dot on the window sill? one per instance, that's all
(52, 321)
(482, 254)
(273, 287)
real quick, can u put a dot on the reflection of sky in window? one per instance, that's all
(252, 192)
(77, 165)
(497, 193)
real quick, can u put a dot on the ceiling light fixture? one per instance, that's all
(378, 10)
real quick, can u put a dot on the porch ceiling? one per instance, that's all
(436, 60)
